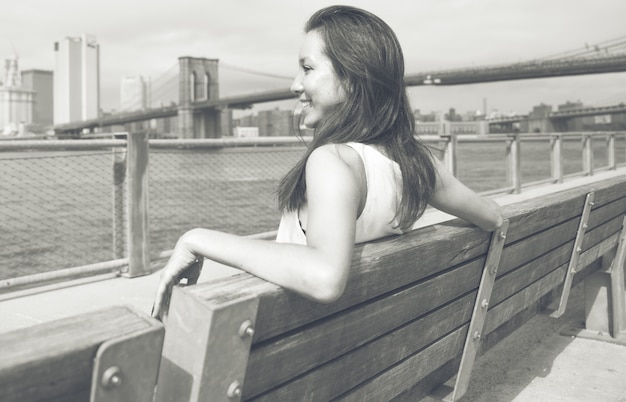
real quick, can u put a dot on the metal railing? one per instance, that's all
(560, 166)
(117, 206)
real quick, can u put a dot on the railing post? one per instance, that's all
(610, 149)
(119, 203)
(450, 153)
(556, 160)
(587, 154)
(514, 171)
(138, 230)
(442, 129)
(624, 136)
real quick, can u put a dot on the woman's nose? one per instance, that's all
(296, 85)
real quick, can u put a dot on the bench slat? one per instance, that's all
(334, 378)
(54, 360)
(293, 355)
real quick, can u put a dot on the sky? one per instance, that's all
(141, 37)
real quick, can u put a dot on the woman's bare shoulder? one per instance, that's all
(338, 153)
(330, 160)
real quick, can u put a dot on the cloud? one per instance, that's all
(147, 37)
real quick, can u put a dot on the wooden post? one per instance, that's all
(201, 335)
(138, 230)
(587, 154)
(624, 135)
(450, 153)
(514, 170)
(610, 149)
(119, 203)
(556, 157)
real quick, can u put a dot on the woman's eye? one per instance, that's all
(306, 68)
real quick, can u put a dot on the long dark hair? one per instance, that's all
(368, 59)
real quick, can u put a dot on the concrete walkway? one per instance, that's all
(539, 364)
(22, 309)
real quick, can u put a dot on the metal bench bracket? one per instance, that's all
(605, 298)
(479, 315)
(126, 368)
(573, 262)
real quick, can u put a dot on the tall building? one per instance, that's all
(16, 103)
(134, 93)
(41, 83)
(76, 79)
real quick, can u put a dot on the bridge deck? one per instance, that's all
(535, 363)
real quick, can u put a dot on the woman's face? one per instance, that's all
(317, 85)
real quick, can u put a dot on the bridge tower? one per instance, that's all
(198, 81)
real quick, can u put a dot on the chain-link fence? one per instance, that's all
(55, 209)
(226, 189)
(65, 203)
(64, 208)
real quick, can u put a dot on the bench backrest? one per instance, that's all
(108, 355)
(400, 327)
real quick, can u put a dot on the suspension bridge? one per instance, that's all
(182, 91)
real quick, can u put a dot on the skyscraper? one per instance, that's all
(41, 83)
(76, 79)
(134, 93)
(16, 103)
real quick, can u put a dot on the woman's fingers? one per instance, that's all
(161, 300)
(168, 281)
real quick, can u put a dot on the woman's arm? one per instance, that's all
(318, 270)
(455, 198)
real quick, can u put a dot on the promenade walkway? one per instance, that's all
(535, 363)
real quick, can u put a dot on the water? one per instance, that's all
(57, 207)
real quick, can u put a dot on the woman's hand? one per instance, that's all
(183, 264)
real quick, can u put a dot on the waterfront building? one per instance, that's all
(41, 83)
(595, 122)
(76, 79)
(271, 123)
(245, 132)
(226, 120)
(538, 120)
(134, 93)
(16, 103)
(569, 105)
(275, 123)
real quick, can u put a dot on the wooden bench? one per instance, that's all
(410, 318)
(417, 311)
(108, 355)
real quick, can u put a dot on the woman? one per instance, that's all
(364, 175)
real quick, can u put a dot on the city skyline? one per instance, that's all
(434, 34)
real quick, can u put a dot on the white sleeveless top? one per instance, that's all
(384, 191)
